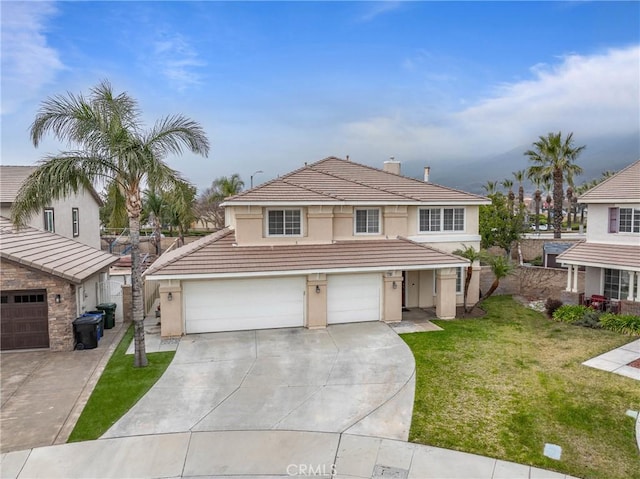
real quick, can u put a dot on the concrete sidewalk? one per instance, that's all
(257, 453)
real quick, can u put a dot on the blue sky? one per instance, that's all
(277, 84)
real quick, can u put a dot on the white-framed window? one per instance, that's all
(367, 221)
(440, 219)
(284, 222)
(458, 281)
(616, 283)
(75, 221)
(49, 223)
(624, 220)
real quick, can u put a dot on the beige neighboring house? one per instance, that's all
(46, 281)
(611, 252)
(332, 242)
(76, 216)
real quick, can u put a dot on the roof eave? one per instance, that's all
(356, 203)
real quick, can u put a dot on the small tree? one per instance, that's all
(500, 267)
(499, 226)
(470, 253)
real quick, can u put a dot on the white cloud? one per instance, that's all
(28, 62)
(178, 61)
(375, 9)
(595, 95)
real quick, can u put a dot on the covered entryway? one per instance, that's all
(241, 304)
(353, 298)
(25, 323)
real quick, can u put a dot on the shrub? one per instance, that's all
(570, 313)
(551, 305)
(621, 323)
(590, 319)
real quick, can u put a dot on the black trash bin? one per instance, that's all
(86, 330)
(109, 314)
(100, 316)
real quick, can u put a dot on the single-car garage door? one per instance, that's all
(25, 321)
(239, 304)
(353, 298)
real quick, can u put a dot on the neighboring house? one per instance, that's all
(77, 216)
(611, 252)
(332, 242)
(46, 281)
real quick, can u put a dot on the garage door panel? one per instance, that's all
(353, 298)
(232, 305)
(25, 323)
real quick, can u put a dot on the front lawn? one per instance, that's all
(118, 389)
(506, 384)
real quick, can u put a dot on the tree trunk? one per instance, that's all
(467, 282)
(134, 206)
(558, 196)
(494, 286)
(538, 198)
(521, 197)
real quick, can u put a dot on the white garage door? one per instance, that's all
(353, 297)
(238, 304)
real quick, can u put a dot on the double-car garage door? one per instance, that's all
(278, 302)
(24, 323)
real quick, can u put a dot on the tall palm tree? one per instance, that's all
(508, 184)
(111, 146)
(226, 186)
(537, 199)
(519, 177)
(554, 157)
(154, 208)
(490, 187)
(182, 205)
(473, 255)
(548, 200)
(570, 206)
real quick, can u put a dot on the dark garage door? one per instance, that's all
(24, 323)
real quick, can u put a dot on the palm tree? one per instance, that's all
(548, 201)
(519, 177)
(111, 147)
(537, 198)
(508, 184)
(570, 207)
(500, 267)
(490, 187)
(470, 253)
(228, 186)
(182, 203)
(554, 157)
(154, 208)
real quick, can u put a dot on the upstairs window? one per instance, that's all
(440, 219)
(368, 221)
(284, 223)
(624, 220)
(49, 224)
(75, 222)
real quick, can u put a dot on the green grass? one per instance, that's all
(118, 389)
(506, 384)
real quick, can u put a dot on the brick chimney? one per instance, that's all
(392, 166)
(427, 170)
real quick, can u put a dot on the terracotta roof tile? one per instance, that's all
(603, 255)
(335, 180)
(51, 253)
(623, 187)
(218, 254)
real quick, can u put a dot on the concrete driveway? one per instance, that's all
(44, 392)
(355, 378)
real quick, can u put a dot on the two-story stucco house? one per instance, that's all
(611, 252)
(51, 269)
(332, 242)
(76, 216)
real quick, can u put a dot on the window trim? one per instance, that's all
(75, 222)
(442, 214)
(633, 220)
(355, 221)
(50, 211)
(284, 234)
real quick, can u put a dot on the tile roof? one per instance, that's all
(623, 187)
(334, 180)
(12, 177)
(51, 253)
(603, 255)
(218, 255)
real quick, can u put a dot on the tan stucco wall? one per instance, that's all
(392, 297)
(316, 314)
(395, 221)
(171, 311)
(446, 297)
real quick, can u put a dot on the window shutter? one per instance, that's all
(613, 219)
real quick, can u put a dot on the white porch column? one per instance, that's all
(569, 270)
(632, 285)
(575, 279)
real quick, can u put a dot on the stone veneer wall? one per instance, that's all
(630, 307)
(16, 277)
(532, 282)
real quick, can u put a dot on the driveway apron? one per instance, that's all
(357, 378)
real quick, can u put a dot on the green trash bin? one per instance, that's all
(109, 314)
